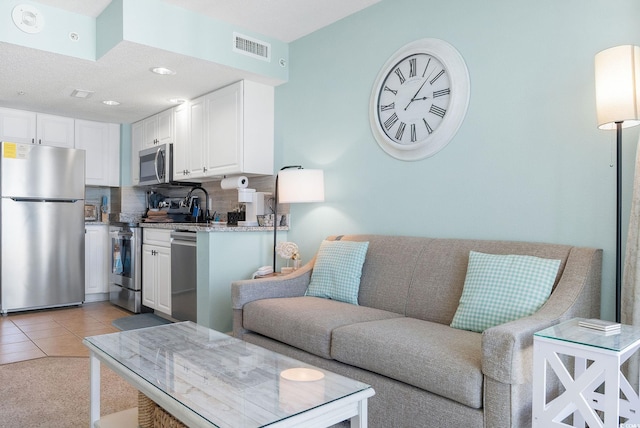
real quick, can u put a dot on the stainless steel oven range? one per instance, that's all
(125, 283)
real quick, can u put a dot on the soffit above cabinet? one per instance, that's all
(113, 50)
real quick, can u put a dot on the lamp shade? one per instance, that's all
(300, 185)
(618, 86)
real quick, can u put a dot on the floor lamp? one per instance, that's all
(618, 106)
(295, 184)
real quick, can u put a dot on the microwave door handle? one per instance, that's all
(155, 164)
(163, 173)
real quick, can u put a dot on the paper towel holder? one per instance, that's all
(294, 184)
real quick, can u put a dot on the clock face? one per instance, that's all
(414, 99)
(419, 99)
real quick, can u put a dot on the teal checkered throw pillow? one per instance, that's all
(337, 270)
(503, 288)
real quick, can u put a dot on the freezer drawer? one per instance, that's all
(42, 254)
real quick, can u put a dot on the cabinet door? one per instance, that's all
(93, 137)
(149, 276)
(165, 127)
(96, 260)
(223, 152)
(163, 283)
(113, 154)
(137, 142)
(197, 132)
(55, 131)
(17, 126)
(181, 143)
(150, 131)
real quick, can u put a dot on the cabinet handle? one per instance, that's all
(33, 141)
(40, 141)
(204, 169)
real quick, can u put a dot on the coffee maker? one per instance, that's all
(254, 205)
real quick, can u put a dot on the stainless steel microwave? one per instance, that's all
(156, 165)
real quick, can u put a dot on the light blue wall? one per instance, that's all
(528, 162)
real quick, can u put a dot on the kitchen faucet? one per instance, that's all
(206, 200)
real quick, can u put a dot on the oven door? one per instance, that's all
(155, 165)
(125, 258)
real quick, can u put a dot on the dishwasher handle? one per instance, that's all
(183, 238)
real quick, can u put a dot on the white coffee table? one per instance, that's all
(206, 378)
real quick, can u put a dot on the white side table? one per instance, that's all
(596, 358)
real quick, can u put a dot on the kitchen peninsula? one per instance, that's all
(223, 254)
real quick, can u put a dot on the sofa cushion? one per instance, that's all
(337, 271)
(430, 356)
(306, 322)
(503, 288)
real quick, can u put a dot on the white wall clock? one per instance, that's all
(419, 99)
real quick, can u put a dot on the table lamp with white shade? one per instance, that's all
(295, 184)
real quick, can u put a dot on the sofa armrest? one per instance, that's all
(291, 285)
(246, 291)
(507, 349)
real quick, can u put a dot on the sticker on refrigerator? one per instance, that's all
(16, 151)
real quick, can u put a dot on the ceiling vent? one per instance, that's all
(251, 47)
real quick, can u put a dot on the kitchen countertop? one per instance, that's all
(209, 227)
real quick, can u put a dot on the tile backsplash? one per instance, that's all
(129, 199)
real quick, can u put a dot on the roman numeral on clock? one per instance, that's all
(413, 67)
(400, 75)
(427, 67)
(426, 124)
(388, 107)
(436, 77)
(441, 93)
(413, 133)
(438, 111)
(388, 89)
(388, 124)
(400, 131)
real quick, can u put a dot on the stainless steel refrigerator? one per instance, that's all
(41, 226)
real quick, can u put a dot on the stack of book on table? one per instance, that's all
(608, 327)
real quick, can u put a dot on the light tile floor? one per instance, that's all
(54, 332)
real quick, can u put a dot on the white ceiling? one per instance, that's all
(43, 81)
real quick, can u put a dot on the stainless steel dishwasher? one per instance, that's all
(184, 293)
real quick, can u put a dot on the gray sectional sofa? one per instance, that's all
(399, 340)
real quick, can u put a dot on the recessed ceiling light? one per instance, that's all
(163, 71)
(111, 103)
(177, 100)
(81, 93)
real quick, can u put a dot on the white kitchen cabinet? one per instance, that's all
(156, 269)
(101, 141)
(157, 129)
(137, 138)
(96, 270)
(198, 138)
(20, 126)
(181, 143)
(55, 130)
(17, 126)
(230, 132)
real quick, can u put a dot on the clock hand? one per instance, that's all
(416, 94)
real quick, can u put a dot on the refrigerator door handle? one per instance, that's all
(69, 201)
